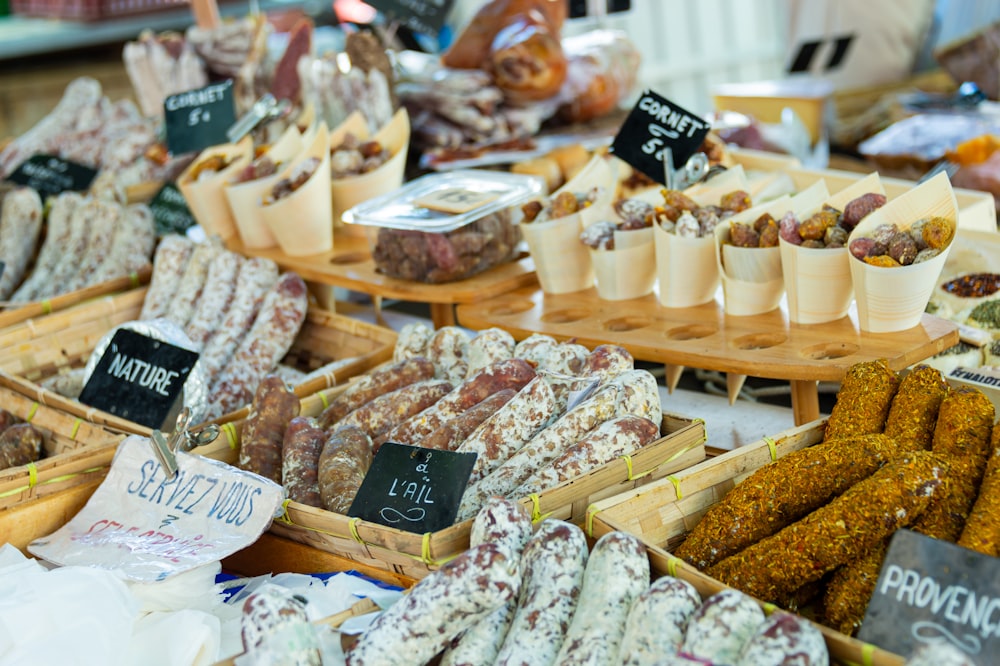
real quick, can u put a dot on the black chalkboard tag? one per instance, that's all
(931, 590)
(424, 16)
(170, 211)
(139, 378)
(197, 119)
(50, 175)
(413, 489)
(653, 124)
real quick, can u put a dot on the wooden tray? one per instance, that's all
(662, 513)
(350, 266)
(682, 444)
(39, 353)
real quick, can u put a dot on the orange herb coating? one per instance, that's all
(837, 533)
(964, 424)
(782, 492)
(863, 401)
(982, 530)
(914, 411)
(851, 588)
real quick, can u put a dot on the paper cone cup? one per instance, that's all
(562, 262)
(302, 222)
(818, 280)
(751, 277)
(709, 193)
(206, 197)
(598, 172)
(245, 198)
(894, 299)
(686, 267)
(307, 118)
(353, 190)
(628, 271)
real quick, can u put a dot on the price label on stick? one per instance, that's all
(197, 119)
(170, 211)
(50, 175)
(931, 590)
(413, 489)
(423, 16)
(654, 124)
(139, 378)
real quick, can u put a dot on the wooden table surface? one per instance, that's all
(350, 266)
(705, 337)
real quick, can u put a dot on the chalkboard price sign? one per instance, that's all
(139, 378)
(197, 119)
(413, 489)
(170, 211)
(423, 16)
(50, 175)
(931, 590)
(653, 124)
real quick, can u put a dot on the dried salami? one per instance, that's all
(658, 621)
(20, 226)
(264, 430)
(785, 638)
(185, 298)
(275, 622)
(300, 451)
(451, 435)
(385, 412)
(447, 350)
(220, 285)
(375, 384)
(131, 245)
(607, 362)
(535, 348)
(57, 239)
(343, 463)
(20, 444)
(412, 341)
(719, 629)
(169, 264)
(488, 347)
(105, 219)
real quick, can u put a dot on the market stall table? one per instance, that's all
(705, 337)
(350, 266)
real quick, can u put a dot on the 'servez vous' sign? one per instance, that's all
(931, 590)
(653, 124)
(413, 489)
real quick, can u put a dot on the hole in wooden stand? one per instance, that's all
(349, 258)
(691, 332)
(627, 324)
(759, 341)
(565, 316)
(829, 351)
(512, 308)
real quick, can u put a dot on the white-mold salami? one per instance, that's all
(439, 608)
(131, 246)
(617, 572)
(169, 263)
(657, 622)
(412, 341)
(20, 226)
(552, 574)
(719, 629)
(447, 350)
(785, 639)
(488, 347)
(57, 239)
(220, 285)
(105, 219)
(185, 300)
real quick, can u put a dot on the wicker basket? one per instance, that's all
(416, 555)
(39, 349)
(662, 513)
(77, 451)
(13, 315)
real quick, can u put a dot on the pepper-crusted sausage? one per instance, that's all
(264, 430)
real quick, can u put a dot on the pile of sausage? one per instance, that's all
(536, 413)
(240, 314)
(88, 239)
(20, 443)
(526, 596)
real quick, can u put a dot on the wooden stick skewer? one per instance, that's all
(206, 13)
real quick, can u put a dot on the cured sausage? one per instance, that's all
(20, 226)
(447, 350)
(617, 572)
(265, 344)
(720, 628)
(479, 644)
(552, 574)
(863, 401)
(300, 451)
(220, 284)
(275, 621)
(264, 430)
(616, 437)
(105, 219)
(256, 278)
(375, 384)
(75, 247)
(169, 265)
(502, 522)
(185, 299)
(412, 341)
(57, 237)
(131, 245)
(488, 347)
(565, 358)
(382, 414)
(534, 348)
(438, 608)
(512, 373)
(607, 362)
(343, 463)
(657, 622)
(20, 444)
(498, 437)
(634, 393)
(451, 435)
(785, 638)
